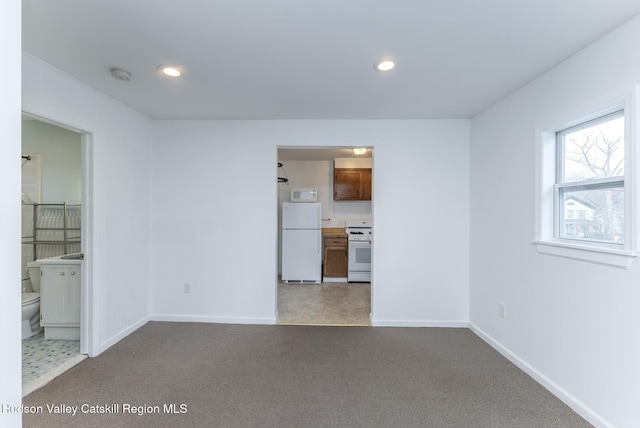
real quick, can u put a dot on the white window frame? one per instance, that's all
(588, 184)
(617, 255)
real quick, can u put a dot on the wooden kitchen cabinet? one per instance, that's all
(335, 257)
(352, 184)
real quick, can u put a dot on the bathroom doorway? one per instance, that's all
(54, 226)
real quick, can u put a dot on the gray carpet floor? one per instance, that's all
(216, 375)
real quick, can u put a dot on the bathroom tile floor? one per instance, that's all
(327, 303)
(43, 360)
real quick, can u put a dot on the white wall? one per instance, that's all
(117, 243)
(60, 157)
(572, 324)
(215, 201)
(10, 333)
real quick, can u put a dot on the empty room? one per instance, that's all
(455, 184)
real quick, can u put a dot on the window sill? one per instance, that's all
(605, 256)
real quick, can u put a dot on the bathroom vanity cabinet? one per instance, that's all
(60, 299)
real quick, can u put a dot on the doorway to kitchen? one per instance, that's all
(338, 182)
(55, 210)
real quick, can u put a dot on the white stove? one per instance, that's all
(360, 233)
(359, 230)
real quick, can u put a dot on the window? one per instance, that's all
(590, 176)
(587, 202)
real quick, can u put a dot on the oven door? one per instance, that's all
(359, 261)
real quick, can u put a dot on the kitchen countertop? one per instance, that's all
(334, 232)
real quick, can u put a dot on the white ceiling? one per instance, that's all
(291, 59)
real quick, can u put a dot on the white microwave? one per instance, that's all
(304, 195)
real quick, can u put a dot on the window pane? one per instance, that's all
(600, 214)
(594, 151)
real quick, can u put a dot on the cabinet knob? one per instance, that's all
(61, 273)
(73, 272)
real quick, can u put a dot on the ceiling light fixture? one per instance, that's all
(170, 70)
(359, 151)
(116, 73)
(384, 65)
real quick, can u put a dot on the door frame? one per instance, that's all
(86, 291)
(278, 236)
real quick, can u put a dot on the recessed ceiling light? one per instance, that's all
(384, 65)
(170, 70)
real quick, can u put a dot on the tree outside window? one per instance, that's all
(590, 180)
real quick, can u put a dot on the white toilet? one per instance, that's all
(31, 303)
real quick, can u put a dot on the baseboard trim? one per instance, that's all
(378, 322)
(328, 279)
(119, 336)
(576, 405)
(210, 319)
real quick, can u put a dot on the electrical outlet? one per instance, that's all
(187, 287)
(502, 310)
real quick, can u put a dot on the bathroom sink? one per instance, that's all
(78, 256)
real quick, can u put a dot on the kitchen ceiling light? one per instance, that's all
(359, 151)
(170, 70)
(384, 65)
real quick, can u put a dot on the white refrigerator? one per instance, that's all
(301, 242)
